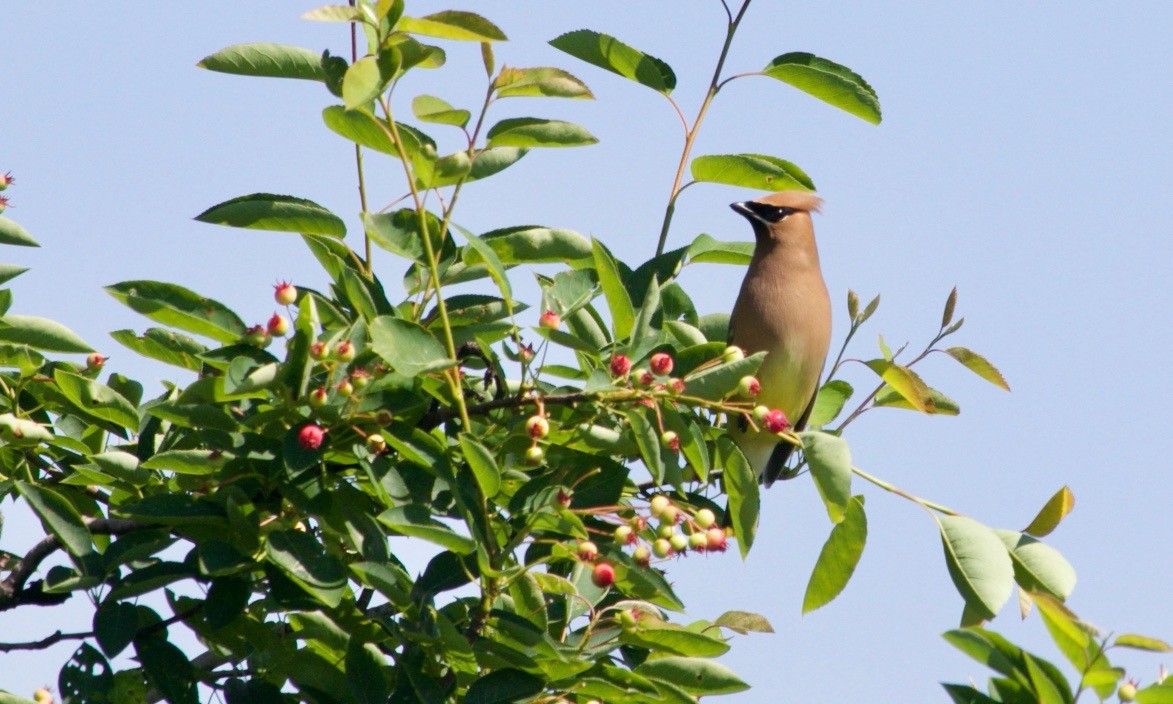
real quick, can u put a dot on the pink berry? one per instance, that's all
(284, 293)
(661, 364)
(310, 437)
(6, 180)
(277, 326)
(776, 421)
(318, 351)
(318, 397)
(716, 540)
(95, 360)
(749, 387)
(537, 427)
(620, 365)
(550, 320)
(587, 551)
(675, 386)
(603, 575)
(344, 351)
(3, 204)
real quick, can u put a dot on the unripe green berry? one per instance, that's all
(678, 542)
(624, 535)
(658, 504)
(642, 555)
(749, 387)
(627, 619)
(318, 397)
(534, 454)
(698, 541)
(661, 548)
(376, 443)
(587, 551)
(537, 427)
(666, 530)
(1127, 692)
(345, 387)
(670, 440)
(344, 351)
(732, 354)
(705, 518)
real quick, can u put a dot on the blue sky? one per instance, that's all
(1024, 157)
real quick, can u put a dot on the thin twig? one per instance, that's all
(45, 642)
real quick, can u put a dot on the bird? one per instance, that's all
(783, 310)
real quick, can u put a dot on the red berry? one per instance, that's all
(550, 320)
(603, 575)
(277, 326)
(284, 293)
(716, 540)
(344, 351)
(661, 364)
(6, 180)
(749, 387)
(620, 365)
(537, 427)
(310, 437)
(776, 421)
(95, 361)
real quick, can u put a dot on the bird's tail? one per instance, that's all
(776, 464)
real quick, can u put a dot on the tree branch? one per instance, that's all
(44, 642)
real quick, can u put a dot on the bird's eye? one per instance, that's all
(770, 213)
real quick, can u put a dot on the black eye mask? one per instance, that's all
(769, 213)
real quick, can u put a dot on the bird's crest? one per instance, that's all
(799, 200)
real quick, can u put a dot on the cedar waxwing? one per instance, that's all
(784, 310)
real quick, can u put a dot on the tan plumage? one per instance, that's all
(784, 310)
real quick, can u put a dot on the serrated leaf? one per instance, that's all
(828, 81)
(183, 308)
(305, 561)
(950, 305)
(543, 81)
(978, 563)
(618, 300)
(830, 464)
(364, 81)
(1139, 642)
(415, 521)
(267, 60)
(483, 466)
(1038, 566)
(838, 558)
(718, 381)
(59, 517)
(696, 676)
(97, 399)
(705, 249)
(266, 211)
(978, 365)
(196, 462)
(609, 53)
(936, 402)
(502, 687)
(766, 173)
(529, 132)
(741, 485)
(360, 127)
(903, 381)
(453, 24)
(1048, 518)
(333, 13)
(41, 334)
(744, 622)
(829, 402)
(409, 348)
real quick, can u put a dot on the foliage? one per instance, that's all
(259, 505)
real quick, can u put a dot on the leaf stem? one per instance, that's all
(691, 133)
(362, 184)
(932, 506)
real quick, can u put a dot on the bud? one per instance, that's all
(603, 575)
(749, 387)
(345, 388)
(284, 293)
(376, 443)
(658, 503)
(257, 336)
(6, 180)
(535, 454)
(732, 353)
(550, 320)
(3, 204)
(95, 361)
(698, 541)
(716, 540)
(661, 364)
(277, 326)
(776, 421)
(360, 377)
(318, 397)
(628, 619)
(642, 556)
(565, 496)
(662, 548)
(310, 437)
(705, 518)
(678, 542)
(620, 365)
(344, 351)
(318, 351)
(670, 440)
(587, 551)
(624, 535)
(537, 427)
(526, 352)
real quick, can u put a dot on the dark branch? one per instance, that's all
(44, 642)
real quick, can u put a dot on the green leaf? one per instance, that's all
(532, 244)
(964, 694)
(163, 345)
(696, 676)
(168, 670)
(481, 461)
(1052, 513)
(609, 53)
(59, 517)
(1156, 694)
(765, 173)
(491, 161)
(196, 462)
(429, 108)
(838, 558)
(482, 251)
(718, 381)
(227, 599)
(674, 640)
(8, 272)
(904, 381)
(364, 81)
(180, 307)
(648, 441)
(705, 249)
(266, 211)
(453, 24)
(360, 127)
(936, 402)
(978, 562)
(830, 463)
(539, 82)
(978, 365)
(334, 13)
(398, 232)
(1139, 642)
(829, 403)
(303, 559)
(828, 81)
(267, 60)
(622, 312)
(11, 233)
(365, 673)
(537, 132)
(408, 348)
(97, 399)
(741, 484)
(415, 521)
(115, 625)
(22, 431)
(41, 334)
(503, 686)
(1038, 566)
(743, 622)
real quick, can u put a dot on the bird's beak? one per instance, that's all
(742, 209)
